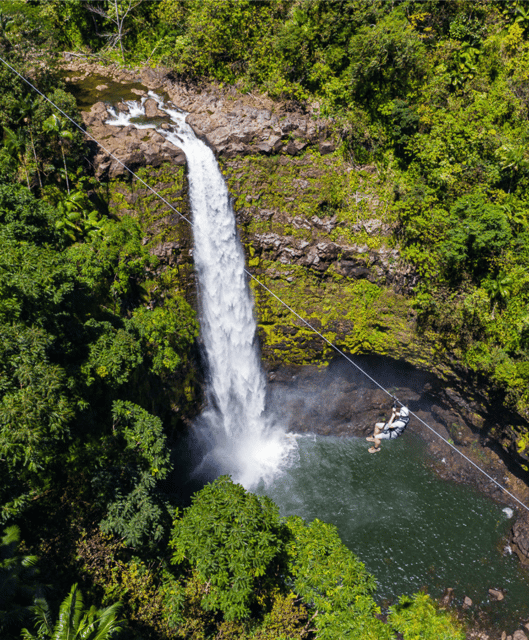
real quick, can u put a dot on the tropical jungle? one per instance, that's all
(424, 109)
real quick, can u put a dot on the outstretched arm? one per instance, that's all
(393, 416)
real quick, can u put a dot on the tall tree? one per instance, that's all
(56, 126)
(115, 12)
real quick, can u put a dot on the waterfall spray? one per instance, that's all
(240, 437)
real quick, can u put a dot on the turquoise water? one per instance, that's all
(410, 528)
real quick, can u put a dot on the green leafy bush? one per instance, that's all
(418, 618)
(234, 540)
(18, 584)
(135, 509)
(479, 233)
(242, 560)
(332, 581)
(169, 331)
(74, 621)
(386, 59)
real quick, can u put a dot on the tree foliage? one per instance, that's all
(233, 540)
(331, 580)
(479, 232)
(18, 582)
(134, 511)
(68, 351)
(418, 617)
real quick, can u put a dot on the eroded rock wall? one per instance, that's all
(320, 234)
(319, 231)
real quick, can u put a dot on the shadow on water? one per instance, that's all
(183, 482)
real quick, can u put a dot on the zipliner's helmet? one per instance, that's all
(404, 412)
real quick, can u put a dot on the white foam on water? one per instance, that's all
(241, 438)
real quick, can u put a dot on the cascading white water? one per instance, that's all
(242, 439)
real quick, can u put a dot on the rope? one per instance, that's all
(332, 345)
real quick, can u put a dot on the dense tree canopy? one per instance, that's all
(434, 94)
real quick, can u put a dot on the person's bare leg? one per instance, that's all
(378, 428)
(376, 446)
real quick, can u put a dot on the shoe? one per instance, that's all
(373, 449)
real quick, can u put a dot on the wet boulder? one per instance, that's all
(152, 110)
(496, 594)
(447, 598)
(520, 539)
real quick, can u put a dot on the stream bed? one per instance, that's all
(411, 529)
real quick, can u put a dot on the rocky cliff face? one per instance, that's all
(315, 227)
(319, 232)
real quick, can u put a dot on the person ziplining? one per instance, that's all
(389, 430)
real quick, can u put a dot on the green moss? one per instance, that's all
(158, 221)
(309, 185)
(356, 315)
(522, 442)
(360, 317)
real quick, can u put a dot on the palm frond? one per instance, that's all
(42, 617)
(10, 538)
(69, 615)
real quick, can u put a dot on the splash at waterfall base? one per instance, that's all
(253, 457)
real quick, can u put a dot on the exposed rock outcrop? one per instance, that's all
(131, 147)
(352, 261)
(231, 122)
(520, 539)
(245, 129)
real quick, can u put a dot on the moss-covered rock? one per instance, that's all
(320, 235)
(167, 234)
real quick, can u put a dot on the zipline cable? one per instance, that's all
(250, 275)
(338, 350)
(89, 135)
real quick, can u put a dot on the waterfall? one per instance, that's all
(239, 436)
